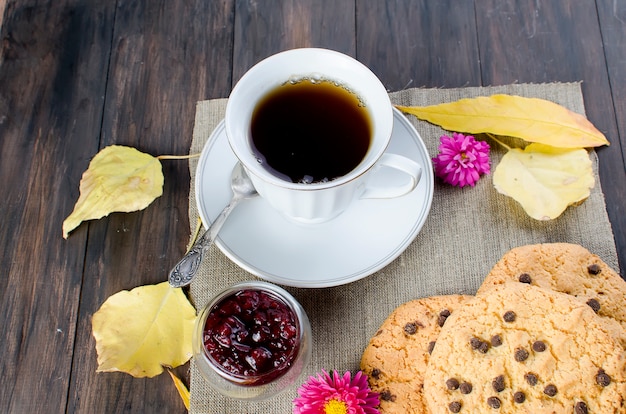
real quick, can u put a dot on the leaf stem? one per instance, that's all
(493, 137)
(195, 235)
(178, 157)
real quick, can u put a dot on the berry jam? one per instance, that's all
(252, 335)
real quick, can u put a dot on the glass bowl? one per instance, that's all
(252, 341)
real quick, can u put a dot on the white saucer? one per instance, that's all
(357, 243)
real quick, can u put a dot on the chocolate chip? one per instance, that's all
(519, 397)
(452, 384)
(594, 269)
(494, 402)
(498, 383)
(386, 395)
(443, 315)
(410, 328)
(602, 378)
(509, 316)
(431, 346)
(454, 406)
(550, 390)
(375, 373)
(521, 354)
(531, 378)
(580, 408)
(594, 304)
(465, 388)
(525, 278)
(539, 346)
(475, 342)
(479, 345)
(496, 340)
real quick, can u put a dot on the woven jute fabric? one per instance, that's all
(465, 234)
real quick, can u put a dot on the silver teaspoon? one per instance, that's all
(185, 270)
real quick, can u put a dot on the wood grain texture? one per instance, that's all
(419, 43)
(612, 16)
(263, 28)
(52, 77)
(78, 75)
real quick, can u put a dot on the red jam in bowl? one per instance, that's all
(252, 336)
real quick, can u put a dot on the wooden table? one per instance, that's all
(76, 76)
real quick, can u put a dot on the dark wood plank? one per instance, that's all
(612, 17)
(52, 78)
(263, 28)
(419, 43)
(165, 57)
(558, 41)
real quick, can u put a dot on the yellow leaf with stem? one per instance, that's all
(545, 180)
(142, 330)
(531, 119)
(118, 179)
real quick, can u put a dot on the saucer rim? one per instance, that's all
(390, 255)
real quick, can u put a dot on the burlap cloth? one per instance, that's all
(466, 232)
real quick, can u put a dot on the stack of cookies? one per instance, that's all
(545, 333)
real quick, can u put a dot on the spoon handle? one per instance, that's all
(186, 269)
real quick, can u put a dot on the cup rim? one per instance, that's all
(377, 90)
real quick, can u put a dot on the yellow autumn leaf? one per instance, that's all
(183, 391)
(142, 330)
(545, 180)
(118, 179)
(531, 119)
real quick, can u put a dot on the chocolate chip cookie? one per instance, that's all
(567, 268)
(396, 357)
(520, 348)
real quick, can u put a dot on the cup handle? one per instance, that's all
(402, 164)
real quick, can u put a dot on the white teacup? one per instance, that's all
(318, 201)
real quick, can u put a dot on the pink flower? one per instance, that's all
(336, 395)
(461, 160)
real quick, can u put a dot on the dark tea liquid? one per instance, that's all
(310, 132)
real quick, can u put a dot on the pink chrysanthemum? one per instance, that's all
(336, 395)
(461, 160)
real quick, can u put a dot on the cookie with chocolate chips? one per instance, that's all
(555, 355)
(567, 268)
(396, 357)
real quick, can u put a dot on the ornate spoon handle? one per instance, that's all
(186, 269)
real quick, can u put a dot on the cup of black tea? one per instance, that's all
(311, 126)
